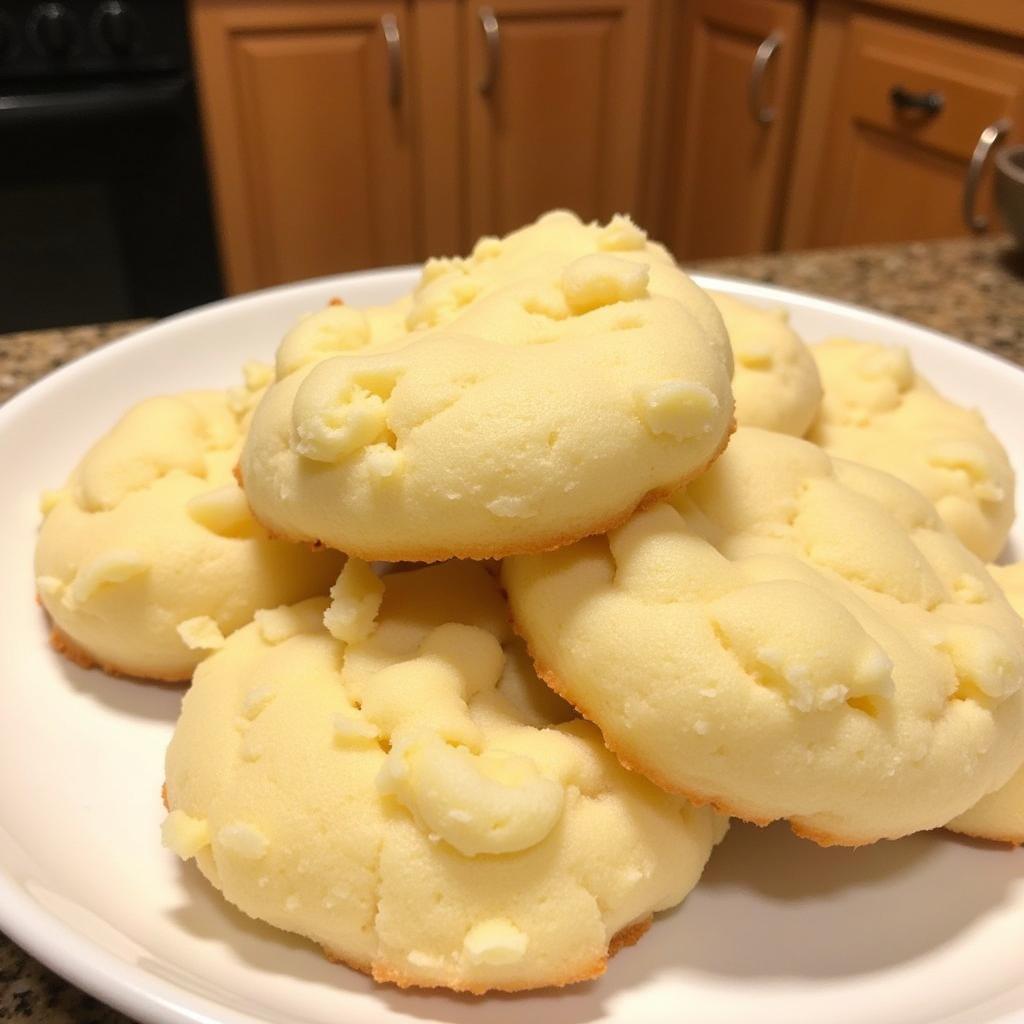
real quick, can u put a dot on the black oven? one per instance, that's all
(104, 204)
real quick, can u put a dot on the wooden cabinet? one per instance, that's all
(556, 95)
(885, 150)
(732, 84)
(308, 124)
(355, 133)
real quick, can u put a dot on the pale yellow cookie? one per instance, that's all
(339, 328)
(148, 557)
(791, 636)
(1000, 815)
(449, 285)
(565, 393)
(415, 801)
(775, 381)
(879, 411)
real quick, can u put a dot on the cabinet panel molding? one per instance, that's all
(311, 154)
(563, 122)
(727, 168)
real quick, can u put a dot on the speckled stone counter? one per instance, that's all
(29, 355)
(972, 289)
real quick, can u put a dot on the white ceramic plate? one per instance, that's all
(927, 929)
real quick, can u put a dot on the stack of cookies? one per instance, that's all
(752, 576)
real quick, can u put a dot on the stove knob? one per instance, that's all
(55, 29)
(117, 27)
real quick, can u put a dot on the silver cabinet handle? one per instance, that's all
(492, 35)
(986, 140)
(768, 48)
(393, 39)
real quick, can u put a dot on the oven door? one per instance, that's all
(104, 207)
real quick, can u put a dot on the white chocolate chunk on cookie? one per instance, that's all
(355, 600)
(358, 419)
(201, 633)
(512, 506)
(243, 840)
(112, 567)
(593, 281)
(259, 698)
(51, 586)
(49, 499)
(383, 462)
(678, 408)
(495, 941)
(184, 835)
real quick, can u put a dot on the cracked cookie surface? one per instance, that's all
(416, 801)
(148, 556)
(791, 636)
(551, 383)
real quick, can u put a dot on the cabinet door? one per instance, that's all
(732, 86)
(893, 151)
(556, 91)
(306, 114)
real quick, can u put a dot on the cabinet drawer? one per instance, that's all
(976, 85)
(872, 169)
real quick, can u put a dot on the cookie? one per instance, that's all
(879, 411)
(148, 557)
(383, 774)
(449, 285)
(791, 636)
(562, 396)
(1000, 815)
(775, 382)
(339, 328)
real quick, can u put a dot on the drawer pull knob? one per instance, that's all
(768, 48)
(929, 103)
(492, 36)
(986, 140)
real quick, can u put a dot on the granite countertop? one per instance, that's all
(970, 288)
